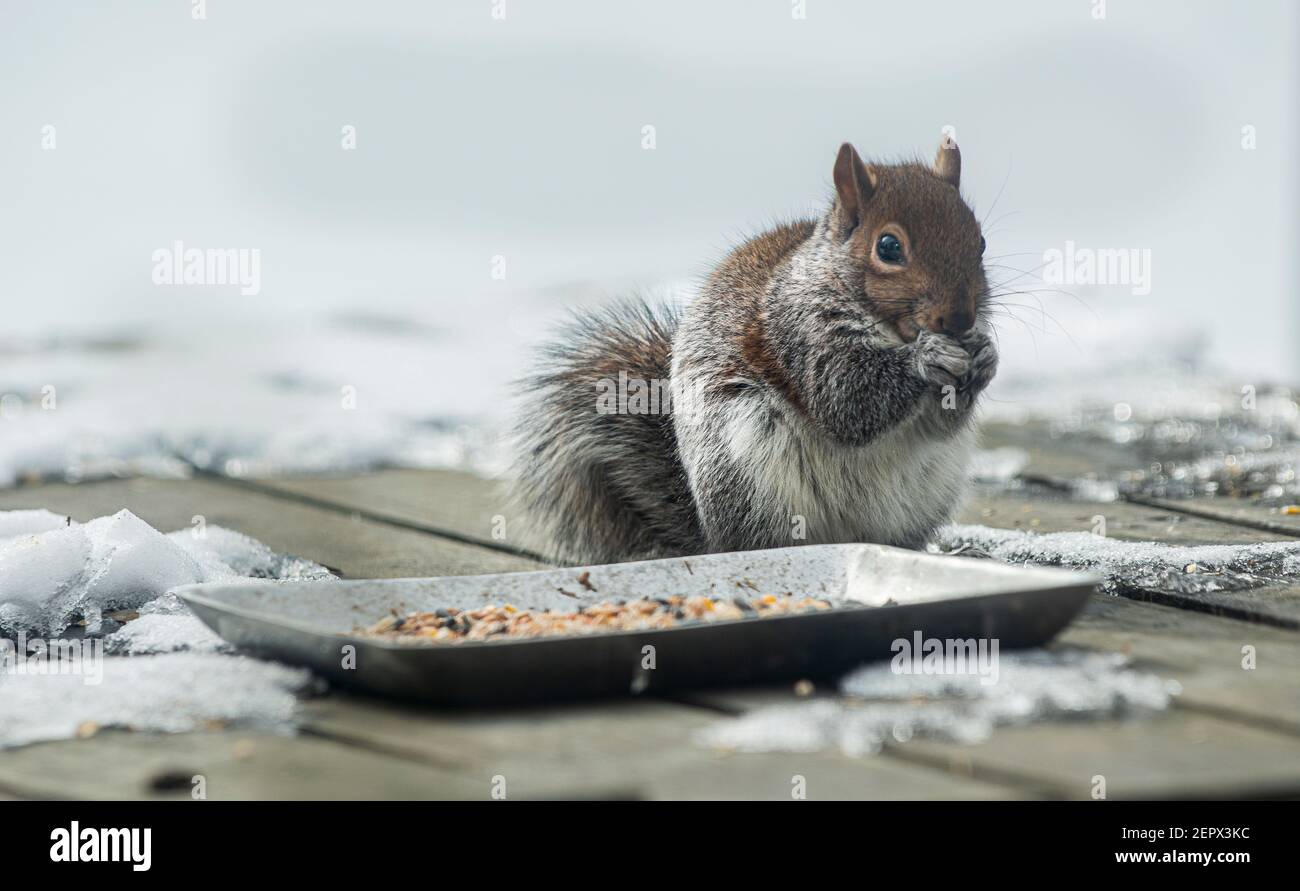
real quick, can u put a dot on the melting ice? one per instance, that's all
(54, 571)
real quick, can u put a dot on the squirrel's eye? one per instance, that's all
(889, 249)
(982, 245)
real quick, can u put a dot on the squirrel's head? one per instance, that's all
(913, 244)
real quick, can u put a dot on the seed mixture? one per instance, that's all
(493, 621)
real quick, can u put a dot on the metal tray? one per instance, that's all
(888, 594)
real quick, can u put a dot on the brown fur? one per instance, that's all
(940, 287)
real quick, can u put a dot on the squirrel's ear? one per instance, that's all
(947, 161)
(854, 184)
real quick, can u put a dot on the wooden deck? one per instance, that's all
(1232, 733)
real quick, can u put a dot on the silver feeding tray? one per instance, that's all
(886, 594)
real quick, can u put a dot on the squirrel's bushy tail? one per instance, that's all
(595, 486)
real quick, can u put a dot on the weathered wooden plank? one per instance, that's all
(1206, 655)
(357, 547)
(474, 507)
(1174, 755)
(1061, 459)
(1058, 457)
(637, 748)
(1239, 511)
(440, 501)
(1122, 520)
(235, 766)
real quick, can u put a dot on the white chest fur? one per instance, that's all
(887, 491)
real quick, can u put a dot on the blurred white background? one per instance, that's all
(522, 138)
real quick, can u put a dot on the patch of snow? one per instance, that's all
(165, 633)
(1183, 568)
(878, 705)
(169, 693)
(270, 397)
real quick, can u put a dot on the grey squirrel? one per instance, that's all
(818, 389)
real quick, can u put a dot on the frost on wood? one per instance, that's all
(53, 572)
(878, 706)
(1188, 569)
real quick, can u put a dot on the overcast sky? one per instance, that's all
(522, 138)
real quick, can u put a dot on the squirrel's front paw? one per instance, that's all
(940, 360)
(983, 361)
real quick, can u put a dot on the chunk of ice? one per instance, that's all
(36, 569)
(229, 554)
(51, 572)
(116, 562)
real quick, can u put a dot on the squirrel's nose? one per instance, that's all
(952, 321)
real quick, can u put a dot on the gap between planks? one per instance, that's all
(1191, 510)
